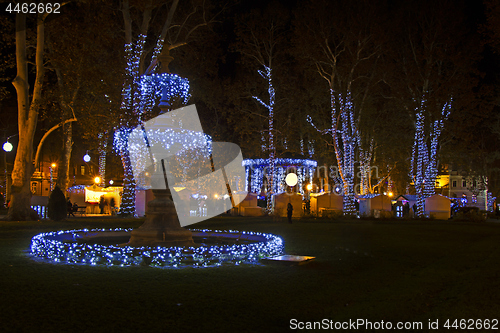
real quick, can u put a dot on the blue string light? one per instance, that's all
(139, 96)
(267, 74)
(425, 155)
(259, 168)
(63, 246)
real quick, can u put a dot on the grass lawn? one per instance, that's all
(375, 270)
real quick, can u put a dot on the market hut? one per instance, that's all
(437, 207)
(280, 203)
(248, 206)
(374, 205)
(326, 203)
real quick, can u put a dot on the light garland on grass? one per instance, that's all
(62, 246)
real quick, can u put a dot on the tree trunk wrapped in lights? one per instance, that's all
(267, 74)
(425, 149)
(137, 103)
(344, 51)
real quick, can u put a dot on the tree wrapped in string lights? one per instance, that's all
(345, 138)
(147, 90)
(260, 38)
(340, 39)
(267, 74)
(424, 164)
(143, 87)
(436, 81)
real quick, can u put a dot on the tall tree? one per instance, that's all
(340, 38)
(84, 67)
(259, 38)
(180, 23)
(27, 116)
(434, 54)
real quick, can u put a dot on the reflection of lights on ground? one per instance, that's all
(71, 247)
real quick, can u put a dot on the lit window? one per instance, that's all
(82, 170)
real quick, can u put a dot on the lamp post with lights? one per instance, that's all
(7, 148)
(51, 168)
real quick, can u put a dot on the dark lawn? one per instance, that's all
(391, 271)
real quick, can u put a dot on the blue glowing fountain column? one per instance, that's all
(162, 227)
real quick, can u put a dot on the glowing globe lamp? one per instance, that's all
(86, 158)
(7, 146)
(291, 179)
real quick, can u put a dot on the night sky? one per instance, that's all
(223, 77)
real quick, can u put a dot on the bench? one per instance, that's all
(82, 210)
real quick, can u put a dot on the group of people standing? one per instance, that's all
(72, 208)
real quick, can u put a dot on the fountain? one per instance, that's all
(161, 241)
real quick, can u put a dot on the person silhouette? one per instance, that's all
(289, 212)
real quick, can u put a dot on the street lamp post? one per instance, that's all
(51, 168)
(7, 147)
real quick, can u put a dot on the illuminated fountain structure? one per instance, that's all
(155, 147)
(159, 242)
(100, 247)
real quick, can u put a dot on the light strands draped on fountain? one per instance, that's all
(153, 86)
(64, 247)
